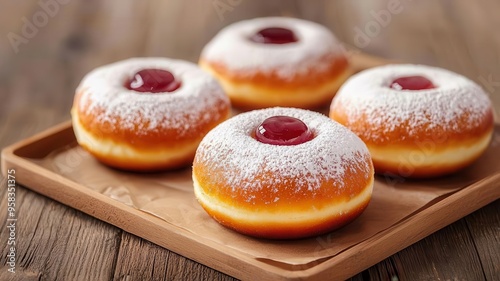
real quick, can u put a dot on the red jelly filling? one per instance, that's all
(412, 83)
(274, 35)
(283, 130)
(153, 81)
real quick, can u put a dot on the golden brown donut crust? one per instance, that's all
(313, 82)
(148, 139)
(399, 136)
(331, 191)
(284, 230)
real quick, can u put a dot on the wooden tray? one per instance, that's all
(429, 218)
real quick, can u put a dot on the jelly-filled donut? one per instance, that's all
(147, 114)
(282, 173)
(276, 61)
(417, 121)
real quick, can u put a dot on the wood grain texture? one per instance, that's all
(420, 224)
(53, 242)
(456, 251)
(151, 262)
(485, 234)
(37, 85)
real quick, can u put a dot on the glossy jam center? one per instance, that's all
(412, 83)
(274, 35)
(283, 130)
(153, 81)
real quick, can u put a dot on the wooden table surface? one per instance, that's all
(45, 49)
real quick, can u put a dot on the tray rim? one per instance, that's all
(436, 215)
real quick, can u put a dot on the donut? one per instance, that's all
(282, 173)
(146, 114)
(276, 61)
(417, 121)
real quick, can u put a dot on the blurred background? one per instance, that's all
(47, 46)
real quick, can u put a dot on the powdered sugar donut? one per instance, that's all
(147, 113)
(417, 121)
(282, 173)
(276, 61)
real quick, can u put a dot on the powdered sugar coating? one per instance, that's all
(103, 93)
(232, 48)
(230, 148)
(368, 96)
